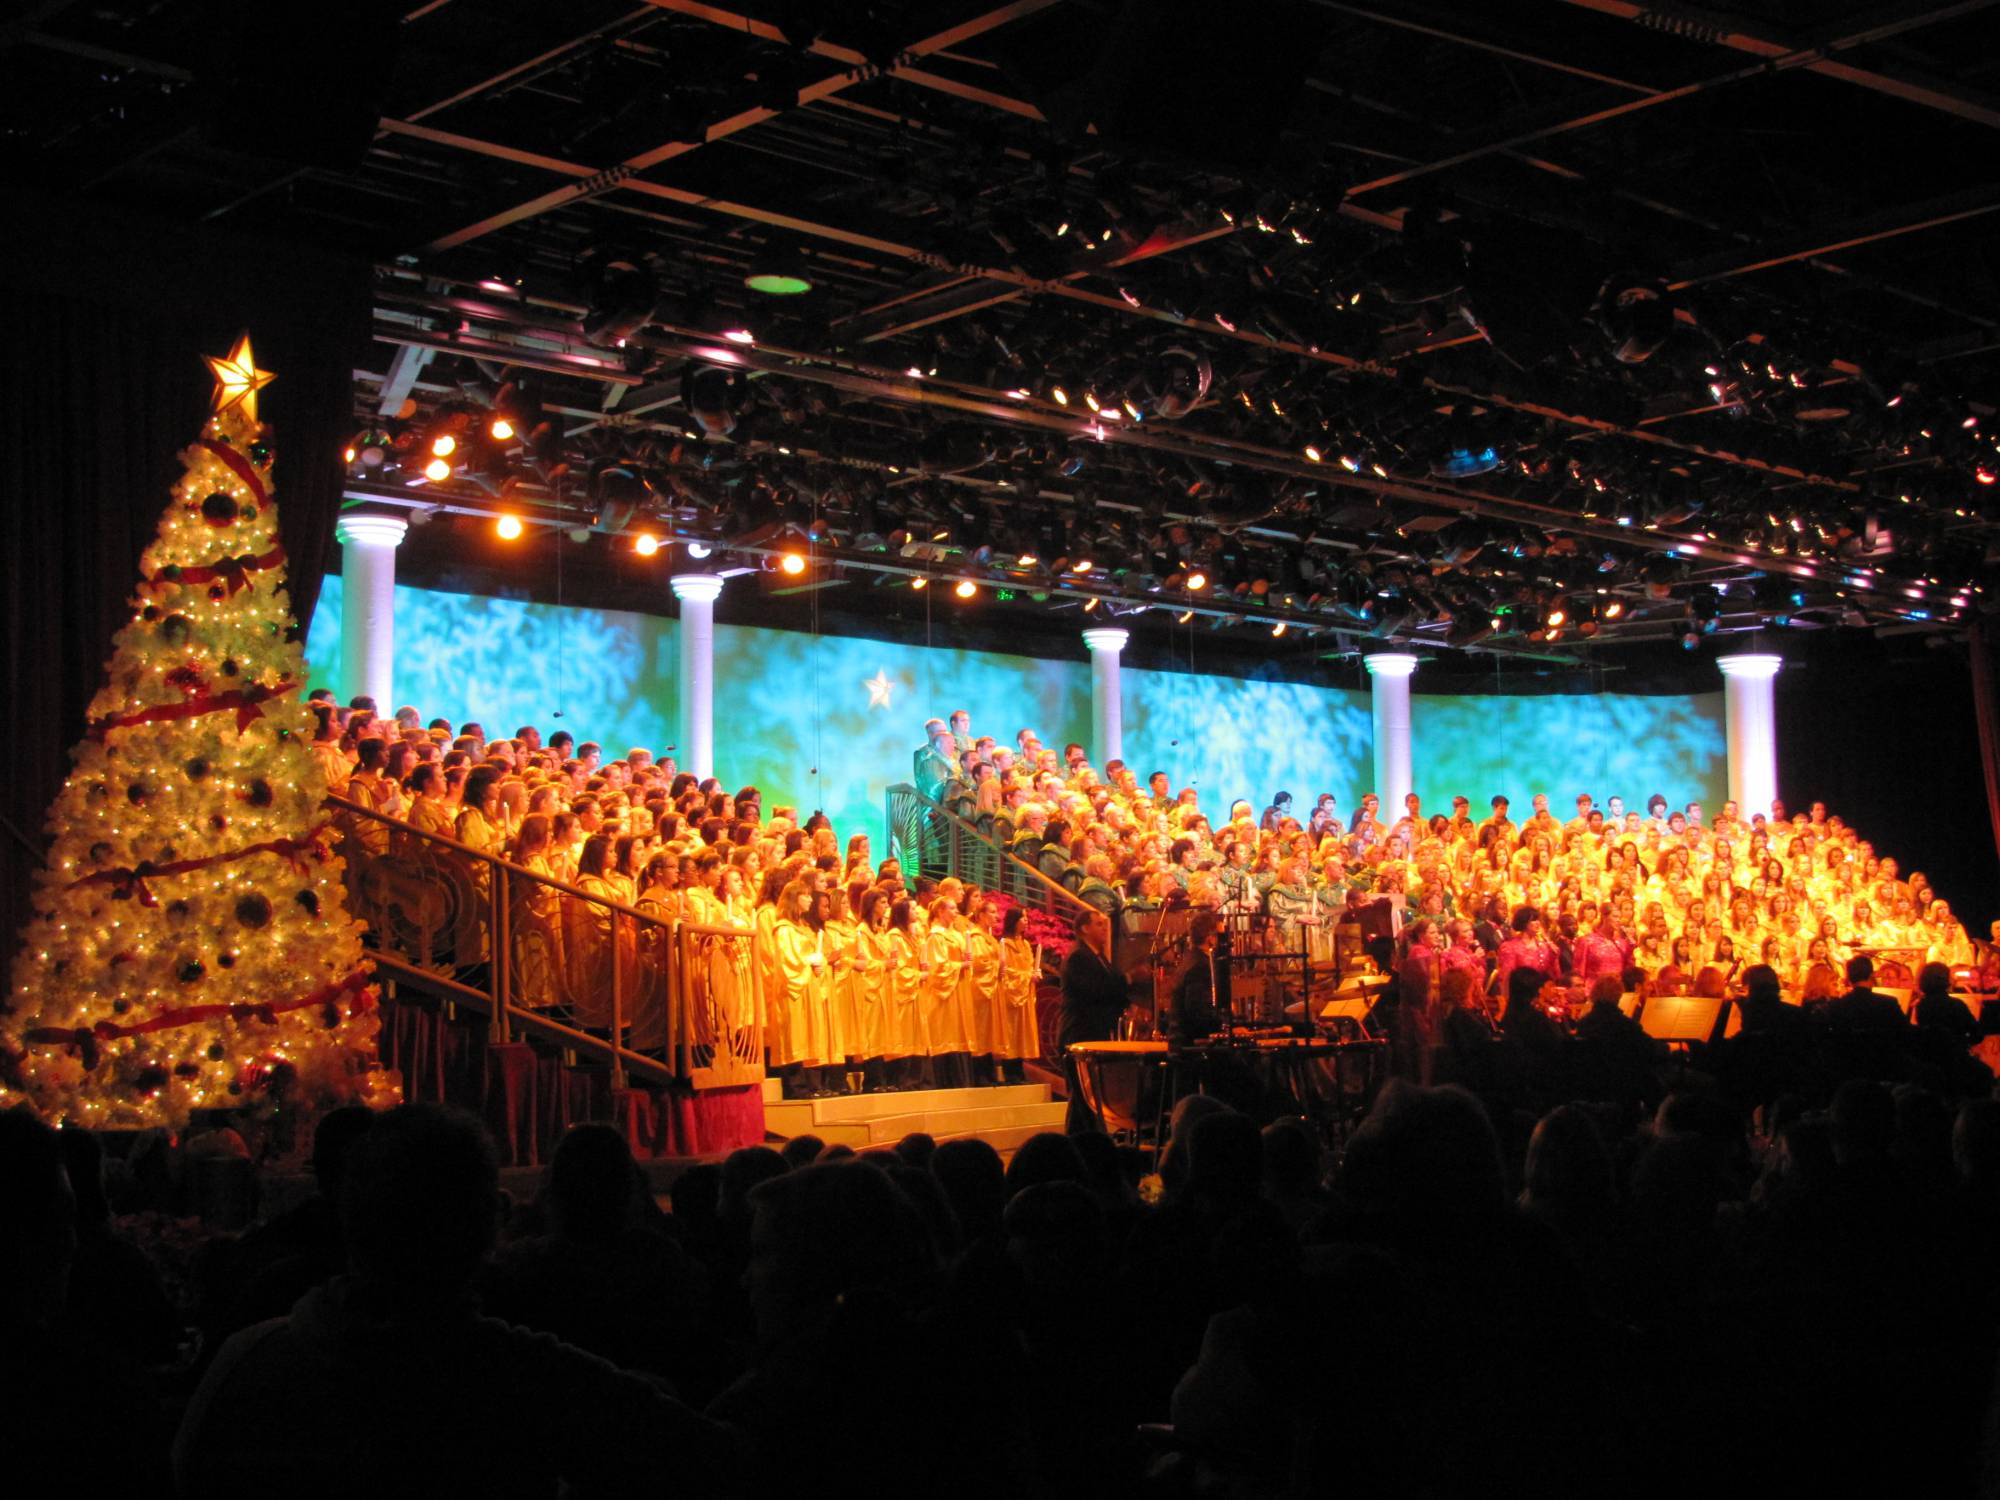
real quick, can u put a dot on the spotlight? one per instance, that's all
(1082, 565)
(1174, 382)
(444, 445)
(1279, 628)
(1183, 617)
(1197, 580)
(715, 398)
(371, 448)
(437, 469)
(508, 528)
(920, 583)
(500, 430)
(617, 490)
(1555, 617)
(699, 550)
(1058, 395)
(1612, 609)
(646, 544)
(1637, 318)
(792, 563)
(1312, 453)
(965, 588)
(624, 294)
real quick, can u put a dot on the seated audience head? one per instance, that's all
(593, 1184)
(420, 1203)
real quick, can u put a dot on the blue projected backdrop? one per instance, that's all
(830, 722)
(1607, 744)
(1229, 737)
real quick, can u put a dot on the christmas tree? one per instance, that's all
(191, 946)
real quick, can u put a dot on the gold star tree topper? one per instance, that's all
(237, 378)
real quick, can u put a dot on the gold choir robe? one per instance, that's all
(979, 986)
(1016, 1029)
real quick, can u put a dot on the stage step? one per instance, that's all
(1004, 1115)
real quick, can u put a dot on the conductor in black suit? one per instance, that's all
(1094, 998)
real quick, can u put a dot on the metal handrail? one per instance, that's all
(708, 1061)
(1053, 895)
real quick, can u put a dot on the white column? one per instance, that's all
(1107, 702)
(1750, 726)
(368, 542)
(1389, 702)
(697, 593)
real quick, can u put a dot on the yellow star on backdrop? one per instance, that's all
(879, 687)
(237, 379)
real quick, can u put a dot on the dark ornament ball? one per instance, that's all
(119, 1007)
(216, 1052)
(254, 910)
(191, 972)
(226, 960)
(219, 510)
(235, 1087)
(186, 1069)
(217, 821)
(178, 910)
(150, 613)
(330, 1014)
(309, 900)
(196, 768)
(260, 793)
(174, 628)
(217, 592)
(149, 1079)
(136, 793)
(229, 667)
(260, 453)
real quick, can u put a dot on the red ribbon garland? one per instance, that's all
(240, 467)
(108, 1031)
(232, 572)
(129, 881)
(243, 700)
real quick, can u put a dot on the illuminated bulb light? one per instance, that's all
(1058, 395)
(1613, 608)
(699, 549)
(444, 445)
(965, 588)
(1312, 453)
(1026, 560)
(1197, 580)
(920, 583)
(1183, 617)
(1556, 617)
(739, 335)
(349, 455)
(1090, 606)
(646, 545)
(501, 430)
(1082, 565)
(1351, 464)
(508, 528)
(1279, 628)
(1090, 400)
(438, 469)
(792, 563)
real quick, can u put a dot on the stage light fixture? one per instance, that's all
(792, 564)
(437, 469)
(444, 445)
(778, 270)
(1279, 628)
(1312, 453)
(1637, 317)
(500, 430)
(508, 528)
(1555, 617)
(623, 295)
(1197, 580)
(1612, 609)
(920, 583)
(646, 544)
(699, 550)
(1082, 565)
(965, 588)
(1183, 617)
(1058, 395)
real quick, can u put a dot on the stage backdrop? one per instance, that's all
(829, 722)
(1607, 744)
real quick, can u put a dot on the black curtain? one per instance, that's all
(101, 386)
(1884, 733)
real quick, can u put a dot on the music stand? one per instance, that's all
(1680, 1019)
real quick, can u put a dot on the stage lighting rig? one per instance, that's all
(1636, 315)
(622, 293)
